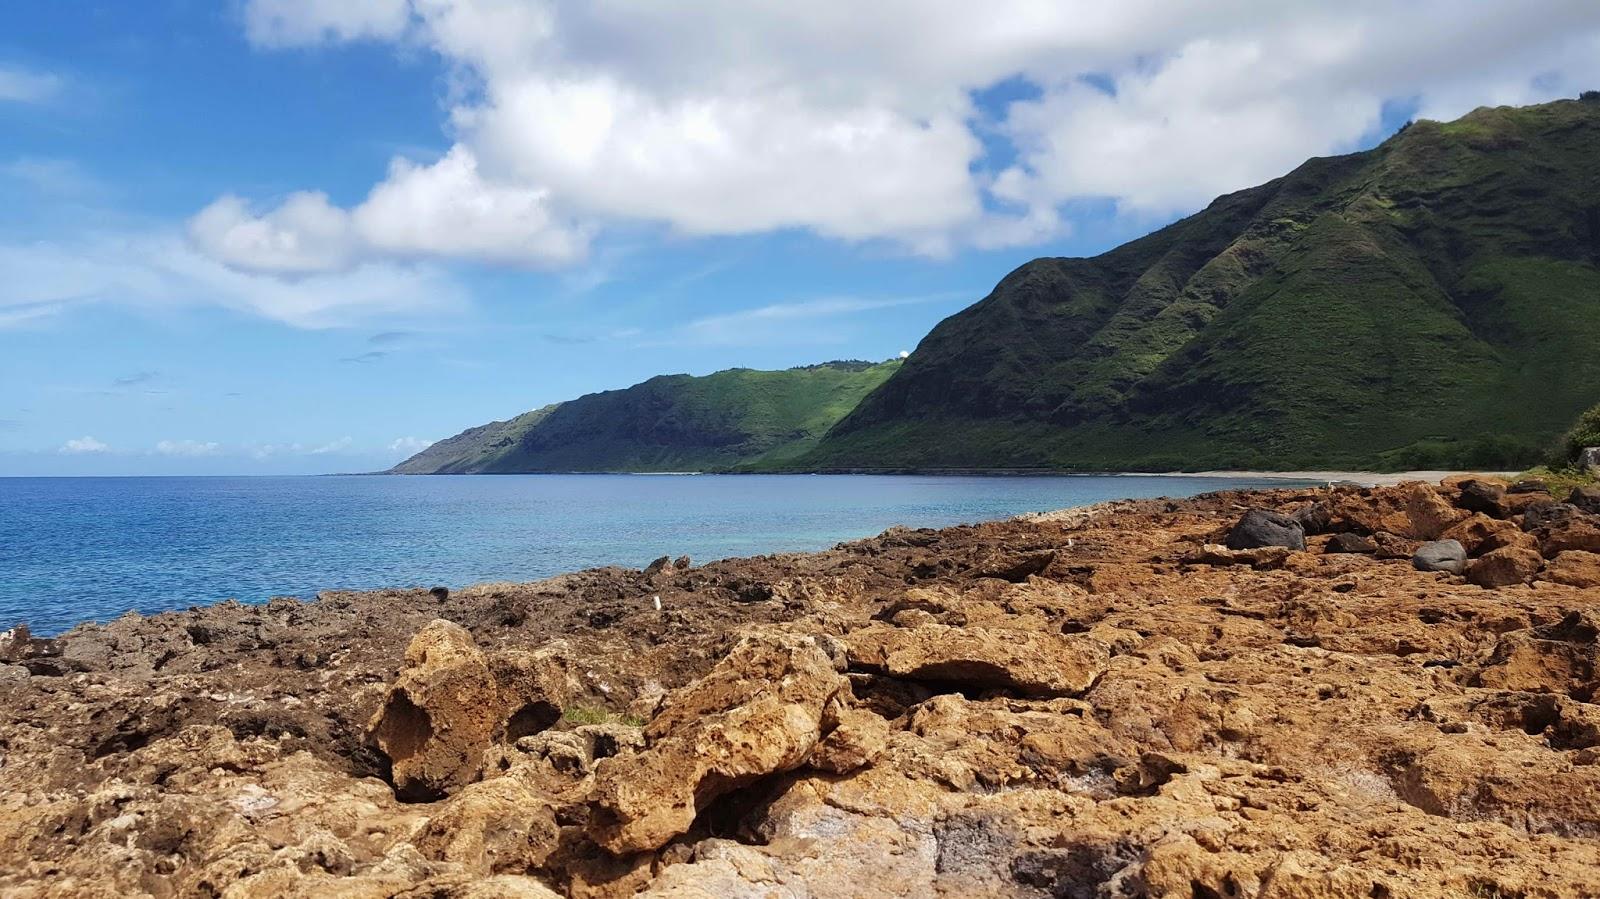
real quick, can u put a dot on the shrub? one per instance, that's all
(1584, 434)
(1589, 97)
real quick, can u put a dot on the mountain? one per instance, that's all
(668, 423)
(1433, 302)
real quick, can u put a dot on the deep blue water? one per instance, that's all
(75, 549)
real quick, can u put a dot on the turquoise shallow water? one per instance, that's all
(76, 549)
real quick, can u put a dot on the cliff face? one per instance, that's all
(1094, 703)
(668, 423)
(1431, 303)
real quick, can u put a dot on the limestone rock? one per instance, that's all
(1504, 567)
(759, 712)
(1030, 662)
(1575, 568)
(858, 739)
(451, 701)
(498, 826)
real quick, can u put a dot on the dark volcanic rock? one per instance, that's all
(1547, 515)
(1350, 543)
(1586, 498)
(1483, 496)
(1529, 485)
(1263, 527)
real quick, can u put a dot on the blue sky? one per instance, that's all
(279, 236)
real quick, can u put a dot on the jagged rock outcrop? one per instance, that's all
(1144, 714)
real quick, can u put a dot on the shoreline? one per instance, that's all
(856, 715)
(1359, 478)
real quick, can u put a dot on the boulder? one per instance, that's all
(1529, 485)
(1482, 496)
(497, 826)
(1547, 514)
(1578, 532)
(1589, 460)
(1440, 555)
(759, 712)
(451, 702)
(1504, 567)
(1481, 534)
(1575, 568)
(1034, 663)
(1585, 498)
(859, 738)
(1430, 515)
(1350, 543)
(1393, 546)
(1263, 527)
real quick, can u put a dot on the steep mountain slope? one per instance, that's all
(668, 423)
(1434, 301)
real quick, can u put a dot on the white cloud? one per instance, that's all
(23, 86)
(45, 278)
(409, 446)
(83, 446)
(444, 210)
(334, 446)
(188, 448)
(859, 121)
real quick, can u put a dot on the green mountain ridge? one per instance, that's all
(1433, 302)
(668, 423)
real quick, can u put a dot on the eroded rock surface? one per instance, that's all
(1102, 703)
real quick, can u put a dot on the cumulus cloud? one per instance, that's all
(83, 446)
(861, 122)
(188, 448)
(332, 446)
(18, 85)
(439, 210)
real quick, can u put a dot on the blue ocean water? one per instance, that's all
(77, 549)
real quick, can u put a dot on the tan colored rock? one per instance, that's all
(1504, 567)
(440, 715)
(1574, 534)
(452, 701)
(1575, 568)
(858, 739)
(497, 826)
(1481, 534)
(760, 711)
(1429, 513)
(1030, 662)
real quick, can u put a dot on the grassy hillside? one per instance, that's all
(1432, 302)
(668, 423)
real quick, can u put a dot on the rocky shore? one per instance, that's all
(1242, 695)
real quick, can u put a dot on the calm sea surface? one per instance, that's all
(76, 549)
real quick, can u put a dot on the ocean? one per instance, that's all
(80, 549)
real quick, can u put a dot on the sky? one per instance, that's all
(309, 236)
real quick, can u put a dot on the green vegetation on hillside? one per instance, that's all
(1433, 302)
(668, 423)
